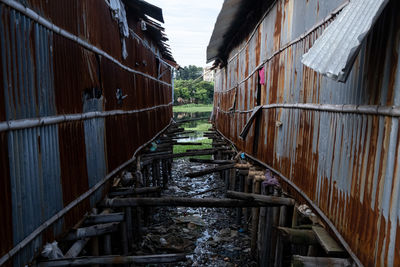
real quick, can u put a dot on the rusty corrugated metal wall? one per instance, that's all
(346, 161)
(62, 129)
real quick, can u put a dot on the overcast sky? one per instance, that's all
(189, 24)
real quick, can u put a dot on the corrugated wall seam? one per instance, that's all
(75, 202)
(42, 21)
(293, 42)
(30, 123)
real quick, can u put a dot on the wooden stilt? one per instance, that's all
(254, 222)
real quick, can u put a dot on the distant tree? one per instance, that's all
(190, 72)
(193, 91)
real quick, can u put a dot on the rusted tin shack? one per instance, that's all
(84, 84)
(335, 145)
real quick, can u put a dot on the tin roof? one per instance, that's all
(334, 52)
(235, 17)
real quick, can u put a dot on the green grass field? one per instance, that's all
(193, 108)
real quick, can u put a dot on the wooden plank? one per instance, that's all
(210, 170)
(193, 119)
(271, 200)
(150, 259)
(188, 144)
(212, 161)
(329, 244)
(95, 230)
(135, 191)
(249, 122)
(303, 261)
(190, 202)
(76, 248)
(104, 218)
(181, 155)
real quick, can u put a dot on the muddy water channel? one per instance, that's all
(209, 236)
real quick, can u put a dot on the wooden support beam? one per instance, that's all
(104, 218)
(181, 155)
(188, 144)
(331, 247)
(150, 259)
(95, 230)
(304, 261)
(270, 200)
(298, 237)
(255, 215)
(210, 170)
(184, 132)
(212, 161)
(135, 191)
(189, 202)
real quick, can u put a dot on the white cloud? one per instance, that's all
(189, 26)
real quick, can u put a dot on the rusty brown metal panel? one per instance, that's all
(345, 163)
(73, 167)
(61, 13)
(75, 70)
(46, 74)
(97, 26)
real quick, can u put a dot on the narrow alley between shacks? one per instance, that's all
(227, 133)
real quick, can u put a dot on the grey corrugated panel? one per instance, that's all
(95, 146)
(333, 53)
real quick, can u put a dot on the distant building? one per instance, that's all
(208, 74)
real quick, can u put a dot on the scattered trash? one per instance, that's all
(52, 251)
(209, 235)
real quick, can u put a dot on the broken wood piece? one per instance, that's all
(135, 191)
(270, 200)
(76, 248)
(95, 230)
(188, 202)
(299, 237)
(211, 161)
(304, 261)
(149, 259)
(329, 244)
(104, 218)
(210, 170)
(249, 122)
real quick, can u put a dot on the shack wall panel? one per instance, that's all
(346, 163)
(45, 74)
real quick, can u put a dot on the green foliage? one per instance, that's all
(190, 72)
(194, 91)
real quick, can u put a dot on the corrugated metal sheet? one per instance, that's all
(334, 52)
(341, 146)
(58, 86)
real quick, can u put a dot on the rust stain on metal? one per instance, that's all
(340, 161)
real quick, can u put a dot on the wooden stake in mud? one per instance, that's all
(254, 222)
